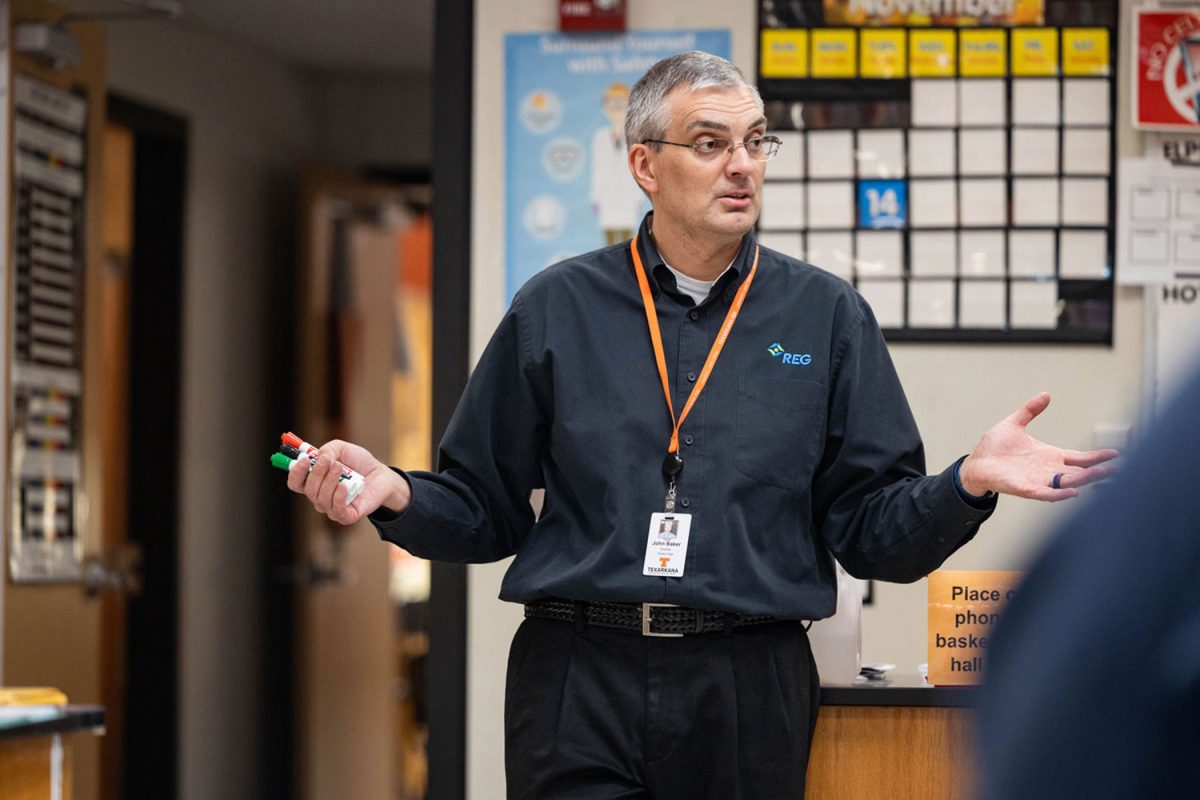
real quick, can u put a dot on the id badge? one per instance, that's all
(666, 544)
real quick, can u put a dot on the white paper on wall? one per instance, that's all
(832, 251)
(932, 203)
(782, 206)
(982, 102)
(1035, 101)
(981, 253)
(1083, 254)
(830, 204)
(931, 153)
(1034, 304)
(880, 154)
(934, 103)
(933, 253)
(981, 304)
(831, 154)
(1035, 201)
(931, 304)
(1035, 151)
(1031, 254)
(879, 254)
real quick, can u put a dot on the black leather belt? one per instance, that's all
(649, 619)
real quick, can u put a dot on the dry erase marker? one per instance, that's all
(285, 458)
(293, 447)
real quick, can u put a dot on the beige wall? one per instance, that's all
(246, 141)
(956, 392)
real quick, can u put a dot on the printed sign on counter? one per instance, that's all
(963, 607)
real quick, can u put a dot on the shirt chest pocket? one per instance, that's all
(780, 430)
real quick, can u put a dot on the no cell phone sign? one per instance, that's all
(1167, 79)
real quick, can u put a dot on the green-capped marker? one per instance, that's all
(281, 461)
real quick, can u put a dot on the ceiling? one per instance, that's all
(390, 36)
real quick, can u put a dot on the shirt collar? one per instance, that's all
(661, 278)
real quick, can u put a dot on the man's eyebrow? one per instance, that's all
(720, 126)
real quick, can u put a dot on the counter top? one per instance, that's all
(899, 690)
(70, 718)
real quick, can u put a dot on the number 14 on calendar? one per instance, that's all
(882, 204)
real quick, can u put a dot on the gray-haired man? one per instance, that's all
(748, 396)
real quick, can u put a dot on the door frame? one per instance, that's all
(453, 64)
(150, 738)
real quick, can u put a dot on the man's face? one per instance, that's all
(715, 197)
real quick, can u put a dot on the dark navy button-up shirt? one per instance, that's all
(800, 447)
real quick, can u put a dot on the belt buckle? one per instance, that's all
(646, 620)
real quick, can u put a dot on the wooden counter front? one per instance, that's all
(35, 758)
(896, 739)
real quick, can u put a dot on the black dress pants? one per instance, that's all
(599, 713)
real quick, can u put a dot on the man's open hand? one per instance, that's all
(1010, 461)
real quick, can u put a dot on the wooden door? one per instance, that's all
(115, 555)
(352, 722)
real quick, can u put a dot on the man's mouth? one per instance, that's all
(738, 200)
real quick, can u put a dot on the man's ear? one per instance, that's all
(641, 166)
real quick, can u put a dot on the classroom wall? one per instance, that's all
(956, 392)
(247, 141)
(374, 119)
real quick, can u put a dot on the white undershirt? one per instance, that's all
(696, 289)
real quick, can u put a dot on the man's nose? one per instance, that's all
(739, 161)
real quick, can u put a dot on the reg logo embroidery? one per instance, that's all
(795, 359)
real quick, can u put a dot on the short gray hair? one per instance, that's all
(647, 116)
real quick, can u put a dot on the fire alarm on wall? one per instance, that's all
(591, 15)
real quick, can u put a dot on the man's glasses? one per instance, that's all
(760, 148)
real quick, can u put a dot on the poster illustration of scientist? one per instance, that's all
(568, 188)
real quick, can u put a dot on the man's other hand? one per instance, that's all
(382, 486)
(1010, 461)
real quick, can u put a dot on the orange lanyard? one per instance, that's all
(713, 353)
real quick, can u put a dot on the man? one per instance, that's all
(1092, 685)
(745, 393)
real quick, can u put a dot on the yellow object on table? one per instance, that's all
(31, 696)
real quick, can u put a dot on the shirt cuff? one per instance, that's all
(980, 501)
(383, 515)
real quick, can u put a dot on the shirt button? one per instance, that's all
(692, 377)
(688, 439)
(685, 502)
(693, 315)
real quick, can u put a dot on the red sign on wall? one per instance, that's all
(591, 15)
(1166, 86)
